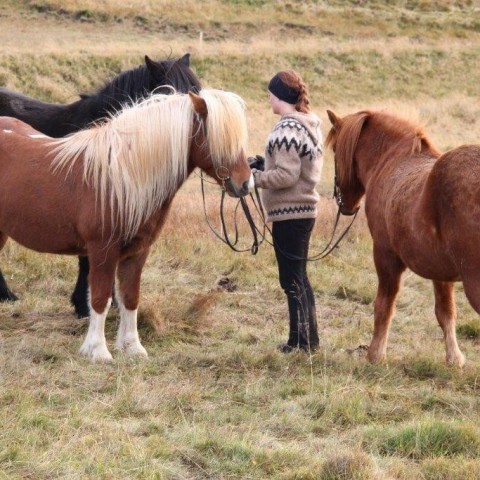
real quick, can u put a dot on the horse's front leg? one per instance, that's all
(128, 293)
(446, 314)
(389, 271)
(101, 276)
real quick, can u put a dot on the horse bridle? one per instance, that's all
(225, 238)
(337, 195)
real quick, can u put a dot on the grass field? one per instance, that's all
(216, 399)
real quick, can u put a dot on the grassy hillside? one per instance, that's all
(215, 399)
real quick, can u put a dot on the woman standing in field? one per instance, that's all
(292, 168)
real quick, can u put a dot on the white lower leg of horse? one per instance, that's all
(454, 354)
(95, 345)
(127, 335)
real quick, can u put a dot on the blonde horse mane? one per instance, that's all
(138, 158)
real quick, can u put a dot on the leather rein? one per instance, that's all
(259, 236)
(224, 236)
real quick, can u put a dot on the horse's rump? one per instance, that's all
(453, 191)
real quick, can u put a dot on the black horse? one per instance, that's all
(57, 120)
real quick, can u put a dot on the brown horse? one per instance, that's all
(105, 192)
(423, 212)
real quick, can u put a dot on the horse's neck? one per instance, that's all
(49, 118)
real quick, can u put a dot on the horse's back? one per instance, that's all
(14, 125)
(19, 142)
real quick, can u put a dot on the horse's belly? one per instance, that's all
(39, 228)
(426, 258)
(37, 209)
(434, 270)
(48, 238)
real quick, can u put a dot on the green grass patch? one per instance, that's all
(426, 440)
(424, 369)
(469, 330)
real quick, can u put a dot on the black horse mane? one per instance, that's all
(142, 79)
(139, 82)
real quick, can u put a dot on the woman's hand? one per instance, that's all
(257, 162)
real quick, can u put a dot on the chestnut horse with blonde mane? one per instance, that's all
(423, 212)
(106, 191)
(57, 120)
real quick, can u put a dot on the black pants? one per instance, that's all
(291, 240)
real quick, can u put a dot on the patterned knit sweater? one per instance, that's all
(293, 165)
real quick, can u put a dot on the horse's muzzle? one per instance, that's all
(233, 191)
(347, 212)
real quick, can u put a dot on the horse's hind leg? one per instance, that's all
(446, 314)
(389, 270)
(102, 273)
(79, 297)
(127, 295)
(6, 295)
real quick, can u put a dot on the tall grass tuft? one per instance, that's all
(356, 465)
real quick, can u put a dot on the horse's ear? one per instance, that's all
(185, 59)
(152, 66)
(334, 120)
(199, 104)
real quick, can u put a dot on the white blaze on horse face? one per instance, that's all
(95, 345)
(127, 335)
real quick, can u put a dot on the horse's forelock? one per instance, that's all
(226, 126)
(345, 145)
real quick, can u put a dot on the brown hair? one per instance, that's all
(293, 79)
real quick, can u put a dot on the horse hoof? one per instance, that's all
(458, 361)
(8, 296)
(136, 350)
(133, 349)
(82, 310)
(375, 358)
(96, 353)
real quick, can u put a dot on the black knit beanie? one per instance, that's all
(283, 91)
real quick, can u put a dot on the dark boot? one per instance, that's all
(302, 326)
